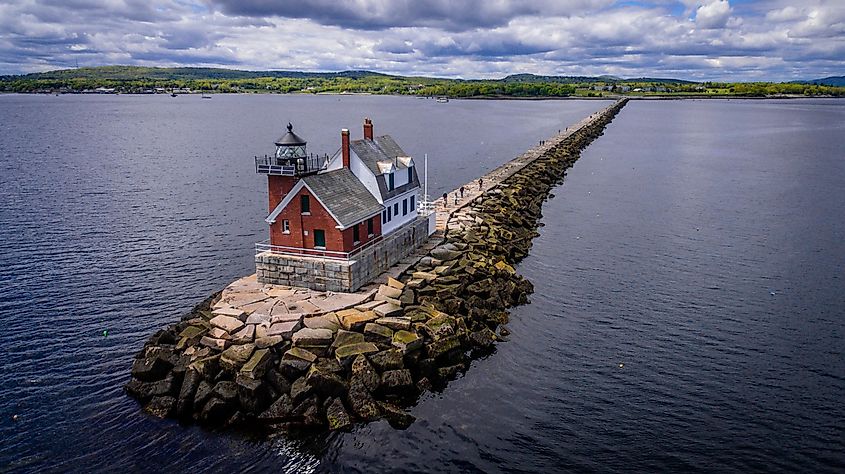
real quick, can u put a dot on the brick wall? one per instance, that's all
(301, 224)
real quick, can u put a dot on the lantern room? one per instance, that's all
(290, 158)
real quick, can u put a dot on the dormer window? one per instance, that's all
(410, 174)
(305, 204)
(390, 185)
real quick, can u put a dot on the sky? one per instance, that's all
(723, 40)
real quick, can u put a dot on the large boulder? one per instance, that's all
(364, 373)
(390, 291)
(343, 338)
(153, 364)
(278, 381)
(185, 401)
(326, 383)
(377, 333)
(406, 341)
(312, 337)
(389, 309)
(347, 353)
(354, 320)
(300, 389)
(438, 349)
(397, 417)
(226, 390)
(337, 417)
(233, 358)
(395, 323)
(280, 410)
(145, 390)
(217, 411)
(161, 407)
(203, 393)
(298, 353)
(253, 394)
(482, 338)
(327, 321)
(445, 254)
(293, 368)
(387, 360)
(397, 382)
(362, 403)
(208, 367)
(257, 364)
(227, 323)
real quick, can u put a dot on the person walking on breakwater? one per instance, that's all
(456, 198)
(480, 183)
(462, 192)
(445, 200)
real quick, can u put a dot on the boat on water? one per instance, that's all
(172, 94)
(442, 100)
(204, 96)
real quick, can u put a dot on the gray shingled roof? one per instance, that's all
(382, 148)
(344, 196)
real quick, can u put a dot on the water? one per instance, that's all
(119, 213)
(699, 244)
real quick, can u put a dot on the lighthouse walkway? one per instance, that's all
(454, 202)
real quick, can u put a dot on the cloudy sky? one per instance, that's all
(692, 39)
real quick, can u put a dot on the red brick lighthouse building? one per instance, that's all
(314, 210)
(356, 208)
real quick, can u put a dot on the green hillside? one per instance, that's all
(136, 79)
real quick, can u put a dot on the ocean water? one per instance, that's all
(689, 312)
(119, 213)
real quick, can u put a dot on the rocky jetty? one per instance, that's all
(221, 366)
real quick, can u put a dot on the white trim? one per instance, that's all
(284, 202)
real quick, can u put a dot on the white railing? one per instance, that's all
(425, 207)
(266, 246)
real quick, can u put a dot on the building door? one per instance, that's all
(319, 238)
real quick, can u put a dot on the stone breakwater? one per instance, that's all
(221, 366)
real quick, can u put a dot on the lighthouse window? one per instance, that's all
(384, 216)
(356, 235)
(388, 213)
(286, 226)
(370, 227)
(305, 204)
(396, 209)
(404, 207)
(390, 182)
(413, 202)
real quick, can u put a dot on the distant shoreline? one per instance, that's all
(484, 97)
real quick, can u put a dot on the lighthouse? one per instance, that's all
(354, 211)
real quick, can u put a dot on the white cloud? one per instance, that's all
(713, 15)
(778, 39)
(789, 13)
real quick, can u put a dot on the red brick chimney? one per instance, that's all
(368, 129)
(344, 147)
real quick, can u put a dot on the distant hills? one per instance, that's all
(835, 81)
(134, 73)
(179, 80)
(590, 79)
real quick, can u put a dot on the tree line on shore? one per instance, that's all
(124, 79)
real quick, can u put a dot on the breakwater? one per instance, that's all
(368, 361)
